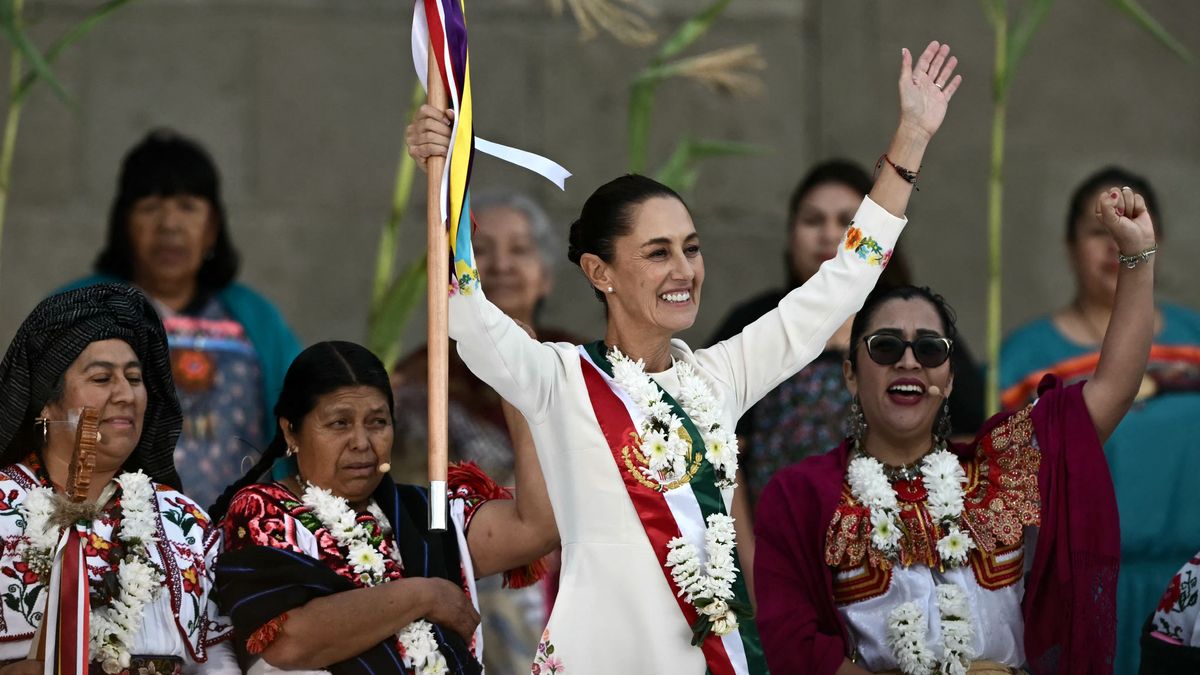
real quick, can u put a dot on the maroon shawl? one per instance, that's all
(1070, 593)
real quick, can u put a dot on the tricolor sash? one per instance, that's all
(680, 512)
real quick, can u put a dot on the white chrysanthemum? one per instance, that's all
(906, 632)
(364, 558)
(869, 485)
(657, 451)
(955, 546)
(885, 531)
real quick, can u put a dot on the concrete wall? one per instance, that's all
(302, 103)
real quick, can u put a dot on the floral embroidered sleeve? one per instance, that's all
(1176, 620)
(257, 517)
(475, 488)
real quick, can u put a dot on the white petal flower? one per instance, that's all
(885, 531)
(955, 546)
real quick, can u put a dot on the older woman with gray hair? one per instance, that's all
(515, 249)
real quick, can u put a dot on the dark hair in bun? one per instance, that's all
(608, 215)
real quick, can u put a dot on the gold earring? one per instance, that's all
(44, 423)
(292, 450)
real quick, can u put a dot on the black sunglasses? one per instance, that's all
(886, 349)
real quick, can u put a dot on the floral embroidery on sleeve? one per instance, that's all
(1179, 609)
(866, 247)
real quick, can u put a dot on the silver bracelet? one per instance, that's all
(1132, 261)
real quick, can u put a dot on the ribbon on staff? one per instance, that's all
(67, 622)
(441, 26)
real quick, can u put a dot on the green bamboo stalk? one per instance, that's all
(995, 210)
(385, 258)
(12, 121)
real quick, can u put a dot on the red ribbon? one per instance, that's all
(74, 610)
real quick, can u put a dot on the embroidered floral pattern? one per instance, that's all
(1000, 498)
(866, 248)
(184, 564)
(545, 662)
(270, 515)
(1179, 609)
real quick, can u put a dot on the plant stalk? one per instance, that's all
(995, 212)
(12, 121)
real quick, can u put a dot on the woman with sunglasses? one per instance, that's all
(901, 553)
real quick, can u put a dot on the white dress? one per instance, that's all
(615, 611)
(182, 621)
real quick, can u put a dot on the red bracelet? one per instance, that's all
(908, 175)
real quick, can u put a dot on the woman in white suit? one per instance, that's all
(635, 432)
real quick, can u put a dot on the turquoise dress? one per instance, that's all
(1154, 455)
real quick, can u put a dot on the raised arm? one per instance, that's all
(1126, 345)
(510, 533)
(925, 93)
(796, 332)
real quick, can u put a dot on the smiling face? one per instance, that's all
(343, 440)
(657, 270)
(170, 237)
(895, 399)
(106, 376)
(819, 225)
(510, 265)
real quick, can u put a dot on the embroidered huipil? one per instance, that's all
(181, 622)
(616, 611)
(1000, 502)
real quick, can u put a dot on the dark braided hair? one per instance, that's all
(322, 368)
(607, 215)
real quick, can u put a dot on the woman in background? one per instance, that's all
(168, 235)
(1153, 454)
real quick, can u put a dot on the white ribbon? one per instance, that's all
(544, 167)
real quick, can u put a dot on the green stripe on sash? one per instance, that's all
(708, 496)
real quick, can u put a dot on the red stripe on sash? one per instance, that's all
(73, 623)
(651, 506)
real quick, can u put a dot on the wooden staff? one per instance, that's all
(438, 276)
(79, 480)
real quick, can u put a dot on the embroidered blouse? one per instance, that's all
(1001, 501)
(272, 516)
(182, 621)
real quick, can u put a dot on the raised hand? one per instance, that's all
(429, 134)
(1123, 212)
(926, 89)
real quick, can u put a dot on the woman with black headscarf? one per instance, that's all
(146, 549)
(168, 235)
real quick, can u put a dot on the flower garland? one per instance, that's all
(906, 635)
(943, 477)
(139, 579)
(417, 642)
(709, 590)
(665, 447)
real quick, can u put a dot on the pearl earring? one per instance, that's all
(610, 289)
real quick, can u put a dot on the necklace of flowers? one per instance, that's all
(906, 635)
(707, 587)
(663, 444)
(139, 579)
(417, 641)
(709, 590)
(943, 477)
